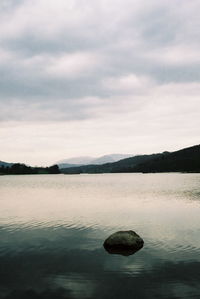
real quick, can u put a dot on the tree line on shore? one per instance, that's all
(19, 168)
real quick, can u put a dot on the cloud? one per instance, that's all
(72, 65)
(129, 65)
(128, 83)
(176, 55)
(5, 56)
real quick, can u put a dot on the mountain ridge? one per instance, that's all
(86, 160)
(183, 160)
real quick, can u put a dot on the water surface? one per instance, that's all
(52, 228)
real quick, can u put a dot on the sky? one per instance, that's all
(89, 78)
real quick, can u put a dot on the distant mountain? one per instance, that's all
(109, 158)
(185, 160)
(67, 165)
(79, 161)
(124, 165)
(83, 160)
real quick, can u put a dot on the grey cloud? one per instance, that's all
(125, 37)
(122, 39)
(9, 5)
(39, 110)
(32, 89)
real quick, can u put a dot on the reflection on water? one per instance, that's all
(122, 251)
(52, 229)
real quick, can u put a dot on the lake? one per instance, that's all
(52, 229)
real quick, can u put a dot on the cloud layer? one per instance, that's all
(97, 77)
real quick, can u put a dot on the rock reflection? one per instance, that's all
(122, 251)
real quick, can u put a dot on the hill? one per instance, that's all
(184, 160)
(110, 158)
(68, 165)
(80, 161)
(5, 164)
(124, 165)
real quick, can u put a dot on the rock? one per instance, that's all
(123, 242)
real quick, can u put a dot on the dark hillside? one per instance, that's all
(185, 160)
(125, 165)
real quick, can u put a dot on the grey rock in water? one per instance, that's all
(123, 242)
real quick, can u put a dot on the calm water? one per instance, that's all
(52, 228)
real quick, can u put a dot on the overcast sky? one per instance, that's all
(82, 77)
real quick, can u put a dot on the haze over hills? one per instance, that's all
(118, 166)
(82, 160)
(110, 158)
(85, 160)
(184, 160)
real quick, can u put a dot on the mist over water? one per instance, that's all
(52, 229)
